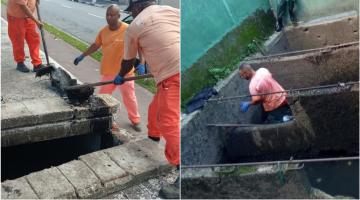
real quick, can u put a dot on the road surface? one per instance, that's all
(80, 20)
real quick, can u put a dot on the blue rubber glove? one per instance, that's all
(244, 106)
(140, 69)
(118, 80)
(78, 59)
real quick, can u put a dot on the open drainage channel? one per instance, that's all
(50, 132)
(307, 179)
(326, 112)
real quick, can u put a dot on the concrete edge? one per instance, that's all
(91, 191)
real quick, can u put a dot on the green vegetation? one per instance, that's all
(224, 57)
(236, 171)
(149, 84)
(82, 46)
(4, 2)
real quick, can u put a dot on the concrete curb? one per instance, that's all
(94, 175)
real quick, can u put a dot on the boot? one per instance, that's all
(279, 25)
(22, 67)
(155, 139)
(136, 127)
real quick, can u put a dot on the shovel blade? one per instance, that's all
(44, 71)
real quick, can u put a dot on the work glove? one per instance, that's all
(118, 80)
(244, 106)
(78, 59)
(140, 68)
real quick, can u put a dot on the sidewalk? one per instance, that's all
(88, 71)
(138, 160)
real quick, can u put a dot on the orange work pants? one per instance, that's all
(164, 117)
(19, 30)
(127, 91)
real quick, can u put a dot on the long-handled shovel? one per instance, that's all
(83, 92)
(49, 67)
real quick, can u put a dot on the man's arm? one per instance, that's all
(28, 13)
(93, 48)
(126, 67)
(255, 100)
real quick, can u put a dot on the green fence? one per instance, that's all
(205, 22)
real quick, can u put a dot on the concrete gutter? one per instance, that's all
(93, 175)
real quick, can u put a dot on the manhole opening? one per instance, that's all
(18, 161)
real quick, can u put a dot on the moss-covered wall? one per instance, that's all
(220, 60)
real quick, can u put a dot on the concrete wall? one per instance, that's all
(205, 22)
(307, 10)
(228, 184)
(326, 31)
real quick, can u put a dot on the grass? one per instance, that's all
(148, 84)
(222, 59)
(236, 171)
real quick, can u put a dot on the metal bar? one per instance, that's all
(302, 51)
(234, 125)
(287, 91)
(272, 162)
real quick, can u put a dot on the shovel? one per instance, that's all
(49, 67)
(83, 92)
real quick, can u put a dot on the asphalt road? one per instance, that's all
(80, 20)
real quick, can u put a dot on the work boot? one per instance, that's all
(38, 67)
(136, 127)
(170, 191)
(155, 139)
(22, 67)
(279, 25)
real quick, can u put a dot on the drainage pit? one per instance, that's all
(20, 160)
(40, 129)
(311, 179)
(326, 120)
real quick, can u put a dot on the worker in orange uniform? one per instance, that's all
(275, 105)
(22, 26)
(111, 40)
(155, 32)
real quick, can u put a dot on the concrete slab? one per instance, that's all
(13, 115)
(154, 151)
(17, 189)
(135, 162)
(110, 174)
(85, 182)
(109, 101)
(51, 184)
(43, 132)
(35, 112)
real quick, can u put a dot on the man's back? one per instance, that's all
(14, 10)
(262, 82)
(156, 33)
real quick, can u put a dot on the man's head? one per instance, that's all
(136, 6)
(113, 15)
(246, 71)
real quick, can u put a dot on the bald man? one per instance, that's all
(261, 81)
(111, 40)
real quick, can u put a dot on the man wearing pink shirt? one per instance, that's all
(261, 81)
(155, 33)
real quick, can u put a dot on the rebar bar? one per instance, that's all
(306, 91)
(272, 162)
